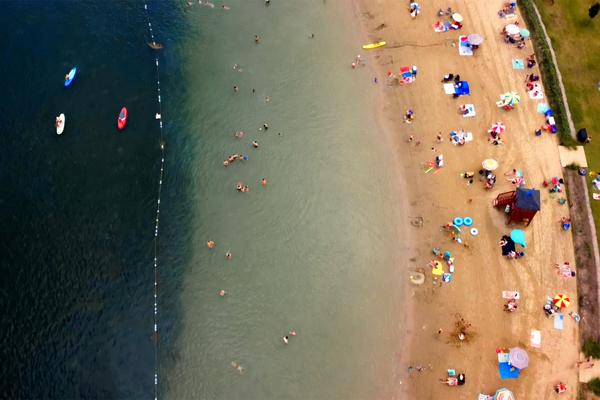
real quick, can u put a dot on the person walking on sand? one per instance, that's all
(410, 138)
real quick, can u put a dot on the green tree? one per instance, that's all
(593, 11)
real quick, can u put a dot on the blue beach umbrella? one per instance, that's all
(518, 237)
(524, 33)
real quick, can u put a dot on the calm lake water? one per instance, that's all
(316, 251)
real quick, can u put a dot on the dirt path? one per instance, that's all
(475, 292)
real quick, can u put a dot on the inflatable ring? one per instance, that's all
(458, 221)
(582, 171)
(474, 231)
(468, 221)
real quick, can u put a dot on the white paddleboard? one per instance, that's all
(61, 125)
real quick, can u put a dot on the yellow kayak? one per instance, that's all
(374, 45)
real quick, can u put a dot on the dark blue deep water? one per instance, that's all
(78, 210)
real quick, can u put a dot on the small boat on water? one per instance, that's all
(122, 118)
(156, 46)
(374, 45)
(60, 124)
(69, 78)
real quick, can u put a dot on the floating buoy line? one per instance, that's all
(156, 46)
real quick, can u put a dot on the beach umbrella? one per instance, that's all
(512, 98)
(524, 32)
(490, 164)
(518, 358)
(518, 236)
(562, 301)
(512, 29)
(498, 127)
(457, 17)
(475, 39)
(504, 394)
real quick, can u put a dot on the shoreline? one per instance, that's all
(481, 273)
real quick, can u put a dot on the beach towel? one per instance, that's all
(536, 339)
(596, 196)
(511, 295)
(438, 270)
(465, 51)
(469, 137)
(506, 373)
(447, 277)
(536, 94)
(558, 321)
(471, 110)
(449, 88)
(441, 27)
(502, 358)
(518, 64)
(542, 108)
(485, 397)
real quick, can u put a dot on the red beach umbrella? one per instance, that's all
(498, 127)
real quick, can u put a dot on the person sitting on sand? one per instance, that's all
(566, 222)
(433, 264)
(457, 78)
(561, 388)
(521, 45)
(589, 139)
(448, 77)
(511, 306)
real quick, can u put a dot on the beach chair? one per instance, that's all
(500, 103)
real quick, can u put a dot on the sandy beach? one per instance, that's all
(481, 272)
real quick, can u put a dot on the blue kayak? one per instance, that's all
(69, 78)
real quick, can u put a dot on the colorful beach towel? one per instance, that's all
(558, 321)
(518, 64)
(536, 94)
(510, 295)
(596, 196)
(542, 108)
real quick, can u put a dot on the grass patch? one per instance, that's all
(577, 49)
(574, 167)
(591, 348)
(594, 386)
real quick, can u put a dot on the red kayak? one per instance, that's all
(122, 118)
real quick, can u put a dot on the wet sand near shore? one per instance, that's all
(481, 273)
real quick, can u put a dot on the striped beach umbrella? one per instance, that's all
(504, 394)
(562, 301)
(498, 127)
(512, 98)
(518, 358)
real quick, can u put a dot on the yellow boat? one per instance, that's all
(374, 45)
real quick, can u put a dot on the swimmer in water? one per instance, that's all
(228, 255)
(266, 126)
(246, 189)
(267, 100)
(225, 163)
(240, 187)
(209, 5)
(285, 340)
(223, 293)
(225, 8)
(189, 3)
(231, 159)
(292, 333)
(256, 39)
(264, 182)
(235, 88)
(280, 134)
(254, 144)
(235, 156)
(312, 35)
(239, 368)
(210, 244)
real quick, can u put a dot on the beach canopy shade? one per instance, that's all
(562, 301)
(461, 88)
(475, 39)
(524, 32)
(504, 394)
(528, 199)
(518, 358)
(512, 29)
(512, 98)
(518, 237)
(490, 164)
(457, 17)
(498, 127)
